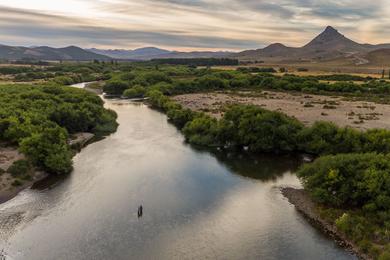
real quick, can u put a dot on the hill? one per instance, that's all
(328, 45)
(137, 54)
(149, 53)
(48, 53)
(381, 57)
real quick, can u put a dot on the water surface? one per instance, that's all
(197, 205)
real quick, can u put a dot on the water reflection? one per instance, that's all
(263, 167)
(197, 204)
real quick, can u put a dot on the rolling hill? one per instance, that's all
(149, 53)
(49, 53)
(381, 57)
(137, 54)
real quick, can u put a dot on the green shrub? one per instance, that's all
(49, 150)
(135, 92)
(39, 118)
(359, 180)
(384, 256)
(17, 183)
(19, 168)
(115, 87)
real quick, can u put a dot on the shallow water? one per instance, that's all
(196, 204)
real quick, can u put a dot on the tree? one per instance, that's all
(135, 92)
(115, 87)
(49, 150)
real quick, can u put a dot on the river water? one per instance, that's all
(197, 205)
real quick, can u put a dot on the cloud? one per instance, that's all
(189, 24)
(114, 37)
(343, 9)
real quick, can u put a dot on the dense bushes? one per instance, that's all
(182, 79)
(19, 168)
(198, 61)
(12, 70)
(356, 189)
(313, 85)
(354, 181)
(256, 70)
(135, 92)
(357, 180)
(342, 77)
(115, 87)
(261, 130)
(39, 119)
(135, 83)
(49, 150)
(258, 129)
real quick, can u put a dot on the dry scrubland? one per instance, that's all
(314, 69)
(304, 107)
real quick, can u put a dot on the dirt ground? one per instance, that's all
(314, 69)
(306, 108)
(8, 155)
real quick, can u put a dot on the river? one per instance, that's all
(197, 205)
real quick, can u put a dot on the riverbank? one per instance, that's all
(8, 191)
(306, 108)
(303, 203)
(191, 198)
(10, 186)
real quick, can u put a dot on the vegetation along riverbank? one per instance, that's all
(351, 187)
(348, 183)
(40, 124)
(363, 224)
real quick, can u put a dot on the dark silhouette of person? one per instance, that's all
(140, 211)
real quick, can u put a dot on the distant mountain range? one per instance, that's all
(329, 45)
(78, 54)
(48, 53)
(137, 54)
(149, 53)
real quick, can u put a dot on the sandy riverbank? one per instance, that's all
(302, 202)
(306, 108)
(9, 155)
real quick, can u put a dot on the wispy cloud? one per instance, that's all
(188, 24)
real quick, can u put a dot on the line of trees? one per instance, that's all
(198, 61)
(178, 80)
(261, 130)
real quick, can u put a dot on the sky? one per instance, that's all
(188, 24)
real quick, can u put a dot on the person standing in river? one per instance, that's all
(140, 211)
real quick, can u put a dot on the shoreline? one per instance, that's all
(304, 205)
(81, 140)
(6, 195)
(77, 143)
(307, 108)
